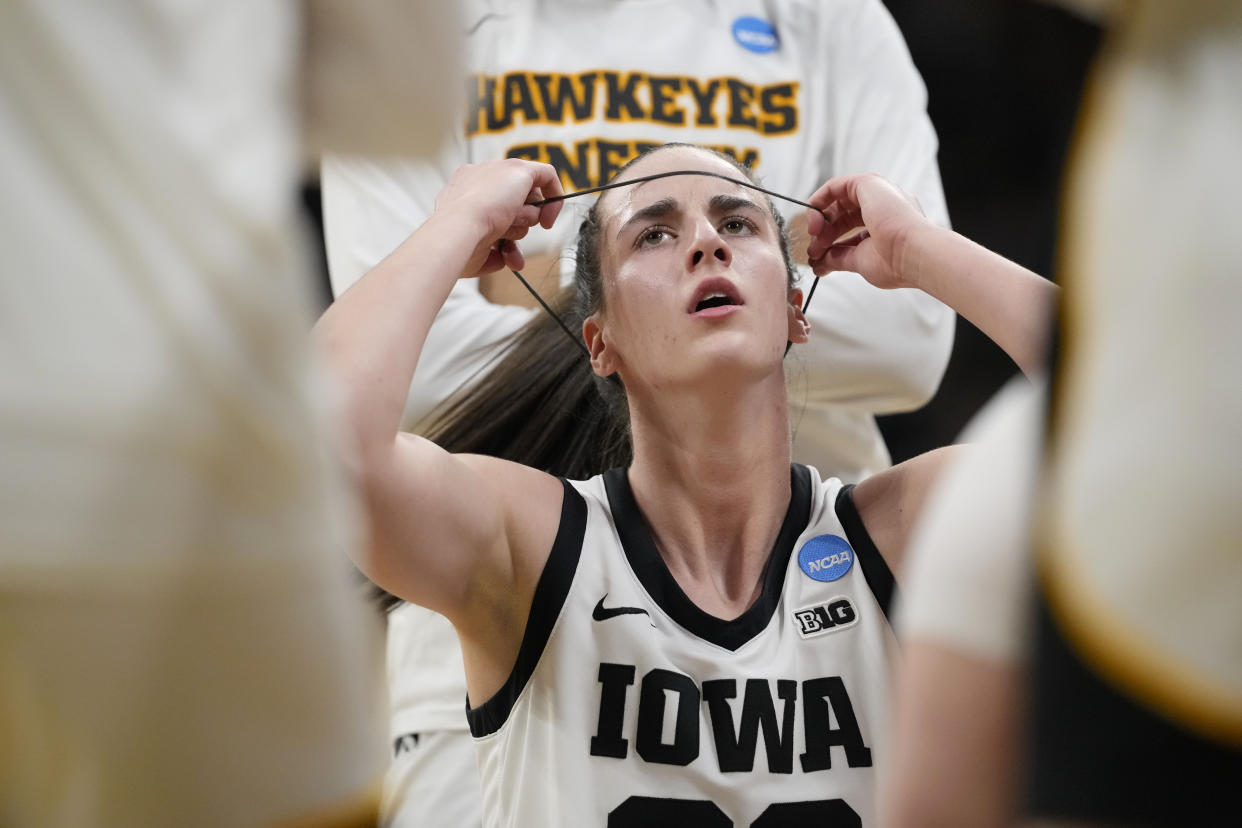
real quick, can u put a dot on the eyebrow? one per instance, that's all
(668, 206)
(730, 203)
(661, 209)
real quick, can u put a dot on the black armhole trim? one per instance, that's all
(659, 583)
(875, 568)
(545, 608)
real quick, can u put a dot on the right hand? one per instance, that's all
(493, 199)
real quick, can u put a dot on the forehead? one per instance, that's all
(615, 205)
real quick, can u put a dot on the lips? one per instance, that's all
(713, 294)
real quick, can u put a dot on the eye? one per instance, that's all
(737, 225)
(651, 237)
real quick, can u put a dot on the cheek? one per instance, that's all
(642, 311)
(635, 291)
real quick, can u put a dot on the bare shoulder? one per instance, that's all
(889, 502)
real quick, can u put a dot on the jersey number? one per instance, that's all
(653, 812)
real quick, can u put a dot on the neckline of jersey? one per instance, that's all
(645, 560)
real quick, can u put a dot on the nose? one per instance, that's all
(708, 243)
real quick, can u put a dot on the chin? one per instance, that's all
(734, 357)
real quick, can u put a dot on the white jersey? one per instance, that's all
(1141, 506)
(634, 707)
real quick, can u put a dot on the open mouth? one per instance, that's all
(714, 293)
(716, 300)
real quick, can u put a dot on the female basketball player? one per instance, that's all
(702, 636)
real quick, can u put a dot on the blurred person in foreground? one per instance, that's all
(180, 642)
(1116, 699)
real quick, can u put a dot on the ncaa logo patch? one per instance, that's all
(755, 34)
(826, 557)
(821, 619)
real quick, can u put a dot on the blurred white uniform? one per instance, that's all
(1137, 672)
(803, 89)
(1139, 540)
(181, 642)
(968, 569)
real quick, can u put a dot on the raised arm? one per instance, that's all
(877, 230)
(901, 248)
(879, 351)
(369, 207)
(466, 536)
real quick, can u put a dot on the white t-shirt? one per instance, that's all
(967, 581)
(838, 94)
(1138, 542)
(181, 639)
(628, 705)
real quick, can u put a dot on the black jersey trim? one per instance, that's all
(645, 560)
(874, 567)
(545, 607)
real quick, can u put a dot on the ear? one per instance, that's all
(799, 327)
(603, 357)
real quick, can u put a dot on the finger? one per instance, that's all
(841, 188)
(512, 255)
(548, 214)
(818, 225)
(832, 231)
(527, 216)
(815, 222)
(837, 257)
(852, 240)
(516, 231)
(494, 261)
(844, 225)
(547, 184)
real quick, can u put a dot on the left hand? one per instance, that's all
(885, 215)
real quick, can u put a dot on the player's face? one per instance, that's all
(694, 281)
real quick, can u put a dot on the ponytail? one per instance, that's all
(540, 404)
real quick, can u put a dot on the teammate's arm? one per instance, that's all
(458, 534)
(882, 351)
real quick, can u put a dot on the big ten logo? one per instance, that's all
(835, 615)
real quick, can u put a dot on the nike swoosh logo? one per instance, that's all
(602, 613)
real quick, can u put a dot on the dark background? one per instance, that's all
(1004, 78)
